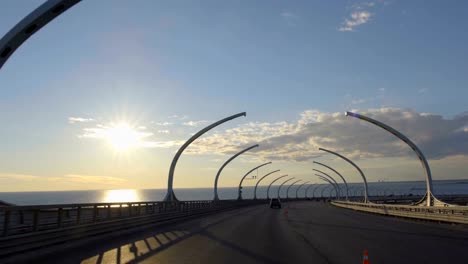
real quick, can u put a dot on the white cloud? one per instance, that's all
(138, 137)
(13, 182)
(163, 123)
(180, 117)
(162, 144)
(102, 131)
(359, 14)
(15, 176)
(436, 136)
(93, 179)
(356, 18)
(363, 5)
(65, 179)
(195, 123)
(73, 120)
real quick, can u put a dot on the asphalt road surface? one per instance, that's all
(311, 232)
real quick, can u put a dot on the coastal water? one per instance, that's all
(134, 195)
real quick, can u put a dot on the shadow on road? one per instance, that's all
(138, 249)
(241, 250)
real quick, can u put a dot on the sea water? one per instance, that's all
(139, 195)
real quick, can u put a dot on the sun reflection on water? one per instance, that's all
(117, 196)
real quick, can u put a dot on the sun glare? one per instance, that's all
(123, 137)
(117, 196)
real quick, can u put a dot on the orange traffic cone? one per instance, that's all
(365, 257)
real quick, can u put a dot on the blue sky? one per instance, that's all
(155, 62)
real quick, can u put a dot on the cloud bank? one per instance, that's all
(437, 136)
(299, 140)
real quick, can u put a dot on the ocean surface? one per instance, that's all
(135, 195)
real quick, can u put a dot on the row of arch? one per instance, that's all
(51, 9)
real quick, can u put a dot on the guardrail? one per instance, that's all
(26, 219)
(452, 214)
(32, 230)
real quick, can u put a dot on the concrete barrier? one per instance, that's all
(452, 214)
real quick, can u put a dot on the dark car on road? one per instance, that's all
(275, 203)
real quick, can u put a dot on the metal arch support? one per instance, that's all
(287, 190)
(271, 183)
(315, 188)
(324, 188)
(281, 185)
(337, 173)
(239, 192)
(330, 192)
(29, 25)
(297, 190)
(256, 185)
(326, 179)
(333, 185)
(331, 182)
(366, 198)
(330, 178)
(429, 199)
(170, 196)
(216, 198)
(307, 190)
(356, 192)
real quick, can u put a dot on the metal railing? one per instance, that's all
(32, 218)
(452, 214)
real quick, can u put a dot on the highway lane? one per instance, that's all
(311, 232)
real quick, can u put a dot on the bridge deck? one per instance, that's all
(313, 232)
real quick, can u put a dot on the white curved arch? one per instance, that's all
(429, 199)
(29, 25)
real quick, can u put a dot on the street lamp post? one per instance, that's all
(297, 190)
(271, 183)
(287, 190)
(315, 188)
(216, 198)
(256, 185)
(170, 196)
(239, 191)
(330, 178)
(337, 173)
(366, 198)
(307, 190)
(350, 189)
(332, 184)
(324, 188)
(429, 199)
(281, 185)
(30, 24)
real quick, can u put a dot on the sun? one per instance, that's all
(116, 196)
(122, 136)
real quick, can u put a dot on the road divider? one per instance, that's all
(452, 214)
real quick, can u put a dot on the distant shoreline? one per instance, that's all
(449, 181)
